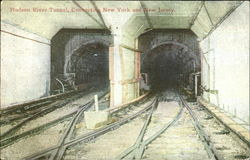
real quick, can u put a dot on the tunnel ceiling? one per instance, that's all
(200, 17)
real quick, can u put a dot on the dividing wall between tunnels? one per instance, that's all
(225, 64)
(25, 65)
(130, 73)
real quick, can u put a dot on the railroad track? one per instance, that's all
(170, 134)
(177, 139)
(57, 152)
(16, 114)
(146, 136)
(228, 144)
(9, 137)
(43, 125)
(144, 148)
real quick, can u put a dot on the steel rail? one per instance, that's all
(112, 126)
(10, 140)
(212, 152)
(141, 134)
(61, 152)
(43, 111)
(34, 103)
(29, 110)
(202, 106)
(35, 107)
(88, 136)
(136, 151)
(58, 153)
(142, 148)
(70, 127)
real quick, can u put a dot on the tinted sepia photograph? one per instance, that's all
(124, 80)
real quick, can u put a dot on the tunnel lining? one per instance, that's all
(77, 43)
(187, 49)
(91, 52)
(179, 58)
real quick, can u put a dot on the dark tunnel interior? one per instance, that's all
(90, 64)
(170, 58)
(166, 63)
(79, 60)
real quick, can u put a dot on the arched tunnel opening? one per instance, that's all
(166, 63)
(79, 60)
(170, 63)
(89, 64)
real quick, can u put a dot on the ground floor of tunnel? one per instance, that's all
(160, 123)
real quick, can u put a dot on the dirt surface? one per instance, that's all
(163, 114)
(47, 138)
(5, 128)
(31, 145)
(179, 142)
(109, 145)
(60, 112)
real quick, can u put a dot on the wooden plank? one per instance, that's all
(128, 81)
(111, 63)
(112, 110)
(130, 48)
(124, 87)
(111, 95)
(238, 129)
(139, 72)
(111, 75)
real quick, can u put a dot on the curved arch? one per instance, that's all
(102, 43)
(87, 62)
(174, 43)
(182, 45)
(99, 41)
(89, 43)
(185, 56)
(169, 42)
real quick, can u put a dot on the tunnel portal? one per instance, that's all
(89, 63)
(166, 63)
(167, 58)
(79, 59)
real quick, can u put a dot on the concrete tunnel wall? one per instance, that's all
(159, 47)
(67, 42)
(25, 65)
(226, 52)
(124, 68)
(149, 40)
